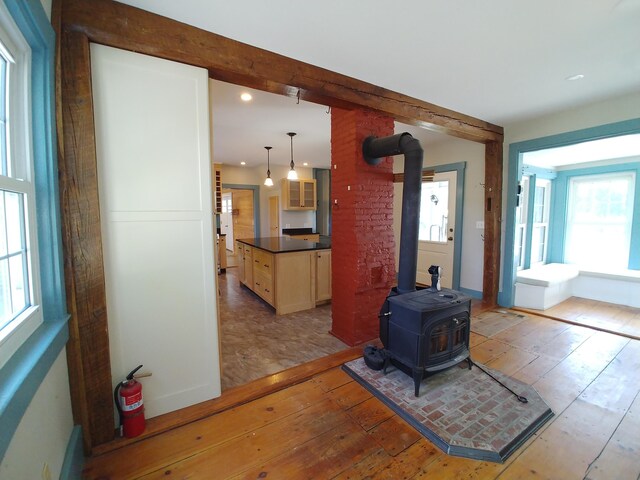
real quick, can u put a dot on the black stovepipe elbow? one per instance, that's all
(374, 149)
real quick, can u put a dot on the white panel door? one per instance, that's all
(152, 141)
(226, 219)
(437, 228)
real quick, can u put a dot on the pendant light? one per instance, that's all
(267, 181)
(292, 175)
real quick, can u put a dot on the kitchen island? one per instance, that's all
(289, 274)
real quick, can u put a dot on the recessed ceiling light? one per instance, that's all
(246, 97)
(579, 76)
(243, 163)
(305, 164)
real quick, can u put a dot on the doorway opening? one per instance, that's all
(437, 228)
(575, 206)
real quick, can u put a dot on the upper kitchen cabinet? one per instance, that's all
(298, 194)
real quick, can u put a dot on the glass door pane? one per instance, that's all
(434, 211)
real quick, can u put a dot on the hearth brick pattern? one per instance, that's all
(464, 412)
(363, 245)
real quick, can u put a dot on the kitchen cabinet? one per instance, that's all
(247, 265)
(240, 250)
(299, 194)
(295, 282)
(309, 237)
(263, 275)
(222, 253)
(323, 275)
(288, 280)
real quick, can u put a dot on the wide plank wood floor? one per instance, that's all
(328, 427)
(608, 317)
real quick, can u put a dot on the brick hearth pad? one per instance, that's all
(464, 412)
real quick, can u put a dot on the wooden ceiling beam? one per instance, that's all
(129, 28)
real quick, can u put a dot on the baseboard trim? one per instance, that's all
(74, 456)
(472, 293)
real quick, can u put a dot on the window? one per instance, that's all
(434, 212)
(521, 222)
(19, 292)
(540, 231)
(599, 217)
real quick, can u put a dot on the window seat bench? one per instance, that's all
(544, 286)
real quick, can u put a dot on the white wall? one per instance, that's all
(43, 433)
(594, 114)
(255, 176)
(443, 152)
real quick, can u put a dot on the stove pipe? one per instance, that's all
(373, 150)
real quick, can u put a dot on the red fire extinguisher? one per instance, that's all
(128, 398)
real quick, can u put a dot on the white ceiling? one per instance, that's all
(613, 148)
(241, 130)
(498, 60)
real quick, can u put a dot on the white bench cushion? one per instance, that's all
(549, 274)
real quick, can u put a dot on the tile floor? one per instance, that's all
(256, 342)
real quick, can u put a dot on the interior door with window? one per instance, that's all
(437, 228)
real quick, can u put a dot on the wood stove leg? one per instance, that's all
(418, 373)
(469, 362)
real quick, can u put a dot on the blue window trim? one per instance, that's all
(516, 150)
(21, 376)
(256, 202)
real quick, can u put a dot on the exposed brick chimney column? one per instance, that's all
(363, 266)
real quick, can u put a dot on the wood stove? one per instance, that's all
(425, 331)
(422, 330)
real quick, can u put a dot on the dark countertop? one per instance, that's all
(297, 231)
(286, 244)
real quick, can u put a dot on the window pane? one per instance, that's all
(538, 208)
(538, 240)
(14, 221)
(3, 115)
(5, 294)
(19, 290)
(3, 228)
(519, 246)
(14, 281)
(599, 221)
(434, 211)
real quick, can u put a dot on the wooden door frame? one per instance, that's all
(277, 210)
(79, 22)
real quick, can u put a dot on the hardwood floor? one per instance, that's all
(608, 317)
(329, 427)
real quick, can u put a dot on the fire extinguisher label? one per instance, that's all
(132, 402)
